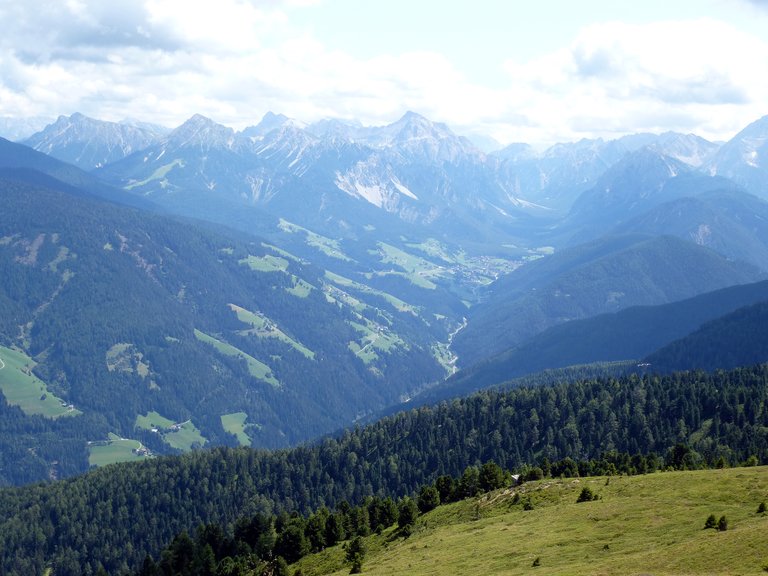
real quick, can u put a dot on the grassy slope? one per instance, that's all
(645, 524)
(22, 388)
(116, 449)
(235, 424)
(256, 368)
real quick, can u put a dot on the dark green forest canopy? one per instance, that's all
(115, 515)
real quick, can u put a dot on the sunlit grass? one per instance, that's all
(25, 390)
(651, 524)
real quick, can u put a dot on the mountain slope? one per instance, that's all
(344, 181)
(731, 222)
(640, 524)
(128, 314)
(629, 334)
(639, 182)
(736, 339)
(22, 162)
(744, 158)
(603, 276)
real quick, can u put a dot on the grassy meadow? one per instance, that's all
(235, 424)
(651, 524)
(256, 368)
(25, 390)
(182, 435)
(114, 450)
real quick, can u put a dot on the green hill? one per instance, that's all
(648, 524)
(735, 339)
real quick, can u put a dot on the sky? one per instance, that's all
(536, 72)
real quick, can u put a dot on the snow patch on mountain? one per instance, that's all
(402, 189)
(373, 192)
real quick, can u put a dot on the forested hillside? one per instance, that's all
(631, 335)
(736, 339)
(606, 275)
(178, 336)
(114, 515)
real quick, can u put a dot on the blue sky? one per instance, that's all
(537, 72)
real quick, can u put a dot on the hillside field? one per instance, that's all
(649, 524)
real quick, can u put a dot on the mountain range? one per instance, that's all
(270, 285)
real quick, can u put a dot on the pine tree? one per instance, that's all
(356, 554)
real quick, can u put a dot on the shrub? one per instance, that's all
(586, 495)
(722, 524)
(762, 508)
(534, 473)
(429, 499)
(711, 522)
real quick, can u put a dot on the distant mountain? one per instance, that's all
(736, 339)
(606, 275)
(640, 181)
(687, 148)
(728, 221)
(744, 158)
(16, 159)
(16, 129)
(89, 143)
(630, 334)
(334, 177)
(556, 177)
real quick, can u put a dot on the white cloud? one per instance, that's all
(619, 77)
(233, 60)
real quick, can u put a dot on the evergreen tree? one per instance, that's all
(408, 511)
(469, 484)
(356, 551)
(429, 499)
(491, 477)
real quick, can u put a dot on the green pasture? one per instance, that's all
(647, 524)
(374, 340)
(266, 263)
(398, 304)
(323, 244)
(114, 450)
(25, 390)
(256, 368)
(300, 289)
(263, 327)
(158, 174)
(185, 438)
(235, 424)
